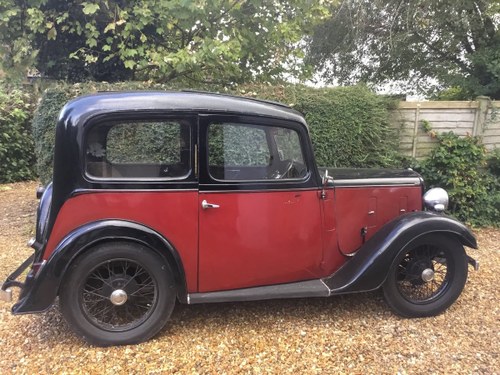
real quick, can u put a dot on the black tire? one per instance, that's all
(405, 289)
(144, 294)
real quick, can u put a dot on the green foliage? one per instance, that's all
(44, 122)
(201, 40)
(17, 156)
(458, 164)
(420, 44)
(452, 93)
(349, 126)
(494, 162)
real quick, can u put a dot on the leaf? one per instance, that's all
(90, 58)
(92, 42)
(110, 26)
(129, 64)
(52, 34)
(90, 8)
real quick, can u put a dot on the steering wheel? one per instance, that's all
(281, 174)
(288, 168)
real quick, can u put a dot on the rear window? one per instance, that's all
(138, 150)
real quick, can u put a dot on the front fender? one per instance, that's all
(368, 268)
(41, 290)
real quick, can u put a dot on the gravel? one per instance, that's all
(347, 334)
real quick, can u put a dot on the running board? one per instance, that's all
(302, 289)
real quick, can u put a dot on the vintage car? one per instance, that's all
(189, 197)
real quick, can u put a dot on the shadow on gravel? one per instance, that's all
(51, 328)
(351, 307)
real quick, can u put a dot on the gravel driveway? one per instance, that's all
(348, 334)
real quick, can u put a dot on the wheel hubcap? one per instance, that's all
(118, 297)
(427, 275)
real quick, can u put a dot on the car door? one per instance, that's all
(259, 218)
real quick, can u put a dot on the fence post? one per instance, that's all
(415, 131)
(483, 103)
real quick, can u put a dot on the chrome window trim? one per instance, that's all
(401, 181)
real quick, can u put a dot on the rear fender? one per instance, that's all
(368, 268)
(41, 290)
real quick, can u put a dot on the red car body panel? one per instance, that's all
(369, 208)
(233, 247)
(174, 214)
(259, 238)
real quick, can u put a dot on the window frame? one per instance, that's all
(209, 182)
(141, 117)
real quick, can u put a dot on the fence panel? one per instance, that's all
(480, 117)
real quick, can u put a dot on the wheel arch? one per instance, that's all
(42, 291)
(368, 268)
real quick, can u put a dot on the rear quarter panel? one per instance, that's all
(174, 214)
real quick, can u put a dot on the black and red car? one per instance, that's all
(165, 197)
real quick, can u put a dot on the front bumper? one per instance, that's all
(10, 282)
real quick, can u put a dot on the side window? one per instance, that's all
(237, 145)
(245, 152)
(156, 149)
(288, 144)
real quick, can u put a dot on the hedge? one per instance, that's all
(459, 165)
(349, 126)
(17, 156)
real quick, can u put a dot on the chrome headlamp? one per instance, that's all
(436, 199)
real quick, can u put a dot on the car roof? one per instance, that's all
(88, 106)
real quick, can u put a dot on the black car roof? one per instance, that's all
(87, 106)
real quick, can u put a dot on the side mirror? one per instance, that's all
(326, 180)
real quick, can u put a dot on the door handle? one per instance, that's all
(205, 205)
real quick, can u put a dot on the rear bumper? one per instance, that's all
(474, 263)
(11, 282)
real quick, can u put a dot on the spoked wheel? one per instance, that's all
(118, 293)
(110, 286)
(427, 277)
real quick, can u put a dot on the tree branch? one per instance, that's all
(442, 54)
(216, 19)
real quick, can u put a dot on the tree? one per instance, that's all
(203, 40)
(428, 44)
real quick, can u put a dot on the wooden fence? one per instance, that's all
(480, 117)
